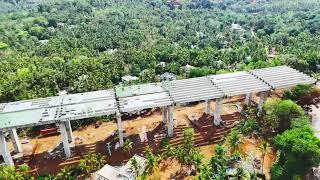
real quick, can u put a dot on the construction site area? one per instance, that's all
(43, 156)
(145, 114)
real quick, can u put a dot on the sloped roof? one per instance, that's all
(120, 173)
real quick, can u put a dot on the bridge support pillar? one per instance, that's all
(69, 131)
(263, 98)
(207, 108)
(217, 113)
(120, 129)
(65, 139)
(5, 151)
(248, 99)
(170, 121)
(165, 115)
(15, 140)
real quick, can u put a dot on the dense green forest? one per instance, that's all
(83, 45)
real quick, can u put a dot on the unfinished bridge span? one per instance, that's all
(62, 109)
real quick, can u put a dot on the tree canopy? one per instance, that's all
(86, 45)
(300, 151)
(280, 113)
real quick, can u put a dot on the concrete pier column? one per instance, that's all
(69, 131)
(15, 140)
(170, 121)
(248, 99)
(217, 113)
(165, 115)
(207, 108)
(120, 130)
(263, 98)
(65, 139)
(5, 151)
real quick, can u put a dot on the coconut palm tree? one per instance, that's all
(235, 156)
(151, 160)
(205, 172)
(128, 146)
(219, 162)
(240, 174)
(168, 151)
(234, 140)
(181, 155)
(8, 172)
(265, 148)
(84, 167)
(91, 160)
(65, 174)
(197, 159)
(253, 176)
(23, 170)
(100, 161)
(135, 166)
